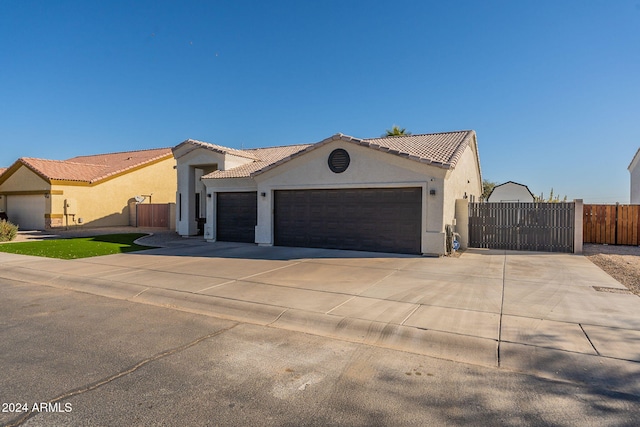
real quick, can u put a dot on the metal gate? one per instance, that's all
(546, 227)
(152, 215)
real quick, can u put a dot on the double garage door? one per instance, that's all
(371, 219)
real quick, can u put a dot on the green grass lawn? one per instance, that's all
(78, 247)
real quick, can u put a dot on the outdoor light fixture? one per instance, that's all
(209, 195)
(432, 192)
(263, 194)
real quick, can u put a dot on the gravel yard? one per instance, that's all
(621, 262)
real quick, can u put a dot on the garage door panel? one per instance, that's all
(27, 211)
(236, 216)
(387, 220)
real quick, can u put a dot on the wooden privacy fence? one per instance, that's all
(611, 224)
(152, 215)
(547, 227)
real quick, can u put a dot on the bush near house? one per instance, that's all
(8, 231)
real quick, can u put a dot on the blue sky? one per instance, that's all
(552, 88)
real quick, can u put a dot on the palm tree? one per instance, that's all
(396, 131)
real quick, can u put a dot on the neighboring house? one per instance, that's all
(390, 194)
(634, 170)
(510, 192)
(94, 191)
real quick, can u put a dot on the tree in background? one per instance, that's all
(487, 188)
(551, 199)
(396, 131)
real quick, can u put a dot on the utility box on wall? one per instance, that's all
(70, 207)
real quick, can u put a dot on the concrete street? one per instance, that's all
(210, 334)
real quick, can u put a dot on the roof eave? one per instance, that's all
(19, 163)
(634, 161)
(374, 146)
(211, 147)
(130, 169)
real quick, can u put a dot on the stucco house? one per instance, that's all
(634, 171)
(510, 192)
(390, 194)
(92, 191)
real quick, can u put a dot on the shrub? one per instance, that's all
(8, 231)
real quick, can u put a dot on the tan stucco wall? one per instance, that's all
(24, 179)
(464, 180)
(107, 203)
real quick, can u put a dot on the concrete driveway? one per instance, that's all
(552, 315)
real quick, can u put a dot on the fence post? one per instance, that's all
(615, 230)
(578, 226)
(133, 214)
(462, 222)
(172, 216)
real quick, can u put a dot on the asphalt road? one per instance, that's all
(68, 358)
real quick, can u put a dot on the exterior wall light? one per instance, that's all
(263, 194)
(432, 192)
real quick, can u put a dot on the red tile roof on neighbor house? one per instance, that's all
(437, 149)
(91, 169)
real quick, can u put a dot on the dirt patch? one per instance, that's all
(620, 262)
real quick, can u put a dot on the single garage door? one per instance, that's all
(26, 211)
(236, 217)
(371, 219)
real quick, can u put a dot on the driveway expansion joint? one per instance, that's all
(589, 339)
(504, 275)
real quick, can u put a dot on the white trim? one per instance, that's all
(386, 184)
(232, 189)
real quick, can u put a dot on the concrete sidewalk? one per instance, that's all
(544, 314)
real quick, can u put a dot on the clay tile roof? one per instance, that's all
(438, 149)
(265, 156)
(441, 149)
(94, 168)
(217, 148)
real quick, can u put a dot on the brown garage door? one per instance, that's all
(372, 219)
(236, 217)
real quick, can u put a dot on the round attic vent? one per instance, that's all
(339, 160)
